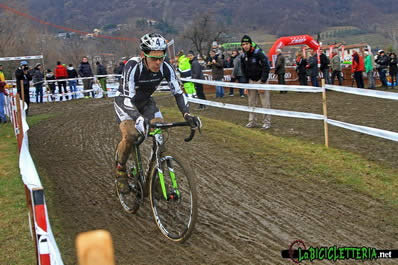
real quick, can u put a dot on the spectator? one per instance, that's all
(335, 65)
(256, 69)
(38, 81)
(382, 62)
(301, 70)
(60, 74)
(2, 93)
(235, 53)
(197, 74)
(85, 71)
(237, 74)
(369, 66)
(216, 64)
(72, 83)
(119, 71)
(51, 85)
(23, 76)
(184, 68)
(325, 66)
(357, 69)
(2, 78)
(393, 69)
(101, 70)
(280, 68)
(228, 63)
(3, 118)
(312, 67)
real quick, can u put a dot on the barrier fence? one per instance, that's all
(353, 127)
(47, 252)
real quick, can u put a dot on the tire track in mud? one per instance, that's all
(248, 212)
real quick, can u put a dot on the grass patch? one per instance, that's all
(303, 160)
(16, 244)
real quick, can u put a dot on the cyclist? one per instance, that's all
(134, 105)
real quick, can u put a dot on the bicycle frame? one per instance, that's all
(162, 189)
(157, 135)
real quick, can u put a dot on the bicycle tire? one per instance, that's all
(132, 201)
(158, 201)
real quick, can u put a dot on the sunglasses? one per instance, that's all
(155, 58)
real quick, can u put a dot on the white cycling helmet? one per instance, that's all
(153, 42)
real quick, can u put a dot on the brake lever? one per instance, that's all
(190, 137)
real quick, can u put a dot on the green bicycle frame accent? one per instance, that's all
(156, 131)
(174, 181)
(162, 184)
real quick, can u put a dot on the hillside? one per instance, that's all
(275, 17)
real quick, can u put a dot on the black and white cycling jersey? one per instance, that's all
(138, 85)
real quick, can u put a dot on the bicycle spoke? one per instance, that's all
(176, 215)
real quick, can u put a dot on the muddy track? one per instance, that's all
(248, 211)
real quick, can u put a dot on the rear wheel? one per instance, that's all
(131, 200)
(175, 214)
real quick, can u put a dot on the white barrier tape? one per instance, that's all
(366, 130)
(68, 79)
(26, 166)
(20, 58)
(47, 244)
(256, 86)
(30, 177)
(283, 113)
(363, 92)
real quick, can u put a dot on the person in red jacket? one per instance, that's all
(358, 67)
(61, 73)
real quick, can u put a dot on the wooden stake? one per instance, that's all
(95, 248)
(23, 95)
(19, 122)
(325, 114)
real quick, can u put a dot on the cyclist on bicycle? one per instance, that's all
(134, 104)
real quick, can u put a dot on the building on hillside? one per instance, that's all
(151, 22)
(97, 32)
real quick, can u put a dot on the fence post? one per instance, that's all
(19, 122)
(23, 94)
(325, 114)
(95, 248)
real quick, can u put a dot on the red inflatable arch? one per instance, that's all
(292, 40)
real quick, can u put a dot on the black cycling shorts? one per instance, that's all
(149, 110)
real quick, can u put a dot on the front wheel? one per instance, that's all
(174, 204)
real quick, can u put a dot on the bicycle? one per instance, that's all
(167, 181)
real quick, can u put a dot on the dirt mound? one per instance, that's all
(248, 213)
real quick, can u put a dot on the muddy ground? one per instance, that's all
(237, 224)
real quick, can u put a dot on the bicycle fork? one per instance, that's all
(175, 194)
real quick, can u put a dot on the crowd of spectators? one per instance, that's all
(249, 65)
(25, 75)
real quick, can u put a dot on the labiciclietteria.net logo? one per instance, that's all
(298, 252)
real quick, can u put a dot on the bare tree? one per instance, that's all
(203, 31)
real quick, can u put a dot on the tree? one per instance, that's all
(203, 30)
